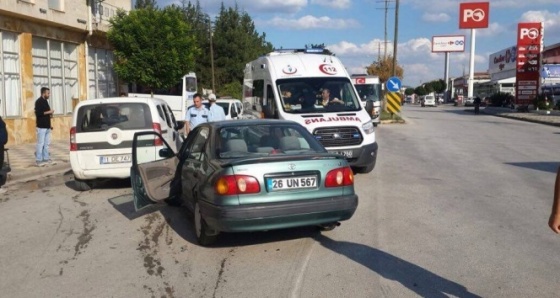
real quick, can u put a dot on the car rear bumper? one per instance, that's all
(279, 215)
(117, 173)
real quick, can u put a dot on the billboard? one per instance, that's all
(448, 43)
(474, 15)
(503, 60)
(529, 48)
(550, 71)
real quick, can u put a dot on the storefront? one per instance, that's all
(47, 43)
(501, 68)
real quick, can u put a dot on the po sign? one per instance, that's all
(474, 15)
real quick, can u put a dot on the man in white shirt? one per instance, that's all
(216, 111)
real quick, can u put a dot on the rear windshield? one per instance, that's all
(124, 116)
(264, 140)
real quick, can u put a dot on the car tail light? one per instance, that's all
(237, 185)
(73, 144)
(157, 128)
(339, 177)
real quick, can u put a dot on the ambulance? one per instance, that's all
(369, 89)
(312, 88)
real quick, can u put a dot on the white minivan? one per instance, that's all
(429, 101)
(102, 133)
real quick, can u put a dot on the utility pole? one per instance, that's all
(212, 58)
(386, 8)
(385, 40)
(395, 42)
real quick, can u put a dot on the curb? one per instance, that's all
(392, 121)
(35, 173)
(525, 119)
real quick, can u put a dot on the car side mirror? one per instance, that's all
(233, 114)
(180, 125)
(166, 153)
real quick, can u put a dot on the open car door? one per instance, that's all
(153, 168)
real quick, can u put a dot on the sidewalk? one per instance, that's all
(533, 116)
(22, 162)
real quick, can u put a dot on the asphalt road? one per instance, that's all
(457, 206)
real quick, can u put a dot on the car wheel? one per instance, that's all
(201, 228)
(82, 185)
(328, 226)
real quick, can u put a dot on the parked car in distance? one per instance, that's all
(102, 132)
(429, 101)
(246, 175)
(469, 102)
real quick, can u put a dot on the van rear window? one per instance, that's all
(124, 116)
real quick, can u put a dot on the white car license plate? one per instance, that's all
(345, 153)
(110, 159)
(302, 182)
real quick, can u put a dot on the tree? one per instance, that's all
(409, 91)
(429, 88)
(383, 68)
(437, 86)
(236, 42)
(153, 47)
(420, 91)
(201, 27)
(145, 4)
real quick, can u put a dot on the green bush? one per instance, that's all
(387, 116)
(498, 99)
(540, 102)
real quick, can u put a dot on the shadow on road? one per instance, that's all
(545, 166)
(417, 279)
(181, 221)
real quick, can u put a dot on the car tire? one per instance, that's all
(82, 185)
(201, 229)
(328, 226)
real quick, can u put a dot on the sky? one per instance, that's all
(354, 29)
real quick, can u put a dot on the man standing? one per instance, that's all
(196, 114)
(3, 141)
(43, 114)
(477, 102)
(216, 111)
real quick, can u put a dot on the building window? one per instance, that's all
(56, 5)
(102, 80)
(10, 84)
(55, 65)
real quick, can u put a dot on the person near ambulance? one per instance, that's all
(327, 100)
(196, 114)
(216, 111)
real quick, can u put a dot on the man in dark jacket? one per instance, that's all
(43, 113)
(3, 141)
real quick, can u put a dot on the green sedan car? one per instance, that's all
(245, 175)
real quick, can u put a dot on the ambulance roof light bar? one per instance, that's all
(307, 51)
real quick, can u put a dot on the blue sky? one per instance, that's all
(354, 29)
